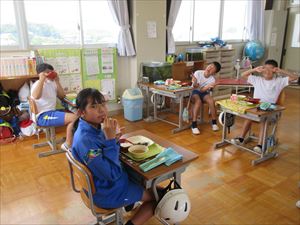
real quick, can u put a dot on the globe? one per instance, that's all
(254, 50)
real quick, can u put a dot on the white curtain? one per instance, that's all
(119, 9)
(255, 20)
(174, 8)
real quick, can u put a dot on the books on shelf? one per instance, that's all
(17, 66)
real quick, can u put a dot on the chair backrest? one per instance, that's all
(281, 98)
(84, 177)
(32, 105)
(82, 174)
(87, 188)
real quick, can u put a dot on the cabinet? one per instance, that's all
(226, 58)
(182, 70)
(15, 82)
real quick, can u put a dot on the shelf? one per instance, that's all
(18, 77)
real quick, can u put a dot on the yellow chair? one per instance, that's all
(87, 189)
(50, 134)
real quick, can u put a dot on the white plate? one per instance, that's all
(140, 139)
(125, 145)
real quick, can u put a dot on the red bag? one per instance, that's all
(6, 133)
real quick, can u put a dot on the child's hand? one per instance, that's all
(259, 69)
(109, 128)
(276, 70)
(194, 79)
(209, 86)
(56, 79)
(43, 76)
(119, 131)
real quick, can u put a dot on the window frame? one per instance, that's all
(220, 29)
(22, 28)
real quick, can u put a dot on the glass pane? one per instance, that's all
(181, 29)
(206, 20)
(52, 22)
(8, 32)
(233, 28)
(98, 23)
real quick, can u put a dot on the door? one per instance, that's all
(291, 53)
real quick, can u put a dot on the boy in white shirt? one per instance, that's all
(203, 81)
(267, 88)
(45, 91)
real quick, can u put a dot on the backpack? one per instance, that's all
(8, 103)
(6, 132)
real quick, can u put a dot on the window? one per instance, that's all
(206, 19)
(8, 31)
(181, 29)
(56, 23)
(98, 23)
(53, 22)
(233, 28)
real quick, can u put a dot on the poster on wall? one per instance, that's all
(105, 77)
(74, 64)
(107, 60)
(92, 66)
(108, 87)
(67, 63)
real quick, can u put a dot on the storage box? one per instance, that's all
(157, 71)
(194, 54)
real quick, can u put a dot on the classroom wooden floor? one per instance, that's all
(223, 185)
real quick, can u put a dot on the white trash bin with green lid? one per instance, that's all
(132, 100)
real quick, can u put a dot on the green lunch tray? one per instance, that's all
(154, 149)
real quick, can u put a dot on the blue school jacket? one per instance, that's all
(101, 156)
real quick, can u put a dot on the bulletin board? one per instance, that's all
(67, 63)
(99, 70)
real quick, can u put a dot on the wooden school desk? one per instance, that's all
(175, 94)
(258, 116)
(153, 177)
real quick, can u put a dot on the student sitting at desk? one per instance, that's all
(203, 80)
(96, 147)
(267, 88)
(45, 91)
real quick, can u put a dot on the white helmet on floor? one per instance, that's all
(174, 207)
(229, 119)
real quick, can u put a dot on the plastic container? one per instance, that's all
(194, 54)
(157, 70)
(132, 100)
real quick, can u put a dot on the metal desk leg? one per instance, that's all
(264, 156)
(224, 135)
(155, 107)
(264, 146)
(180, 120)
(180, 111)
(147, 103)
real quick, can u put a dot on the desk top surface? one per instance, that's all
(164, 88)
(188, 156)
(263, 113)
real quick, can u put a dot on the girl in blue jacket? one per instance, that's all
(97, 148)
